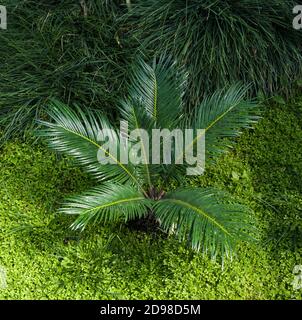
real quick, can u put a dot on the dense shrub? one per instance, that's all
(224, 41)
(81, 53)
(59, 49)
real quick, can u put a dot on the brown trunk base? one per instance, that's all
(147, 224)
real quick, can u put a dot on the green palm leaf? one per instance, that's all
(203, 218)
(159, 89)
(107, 203)
(75, 133)
(137, 118)
(223, 116)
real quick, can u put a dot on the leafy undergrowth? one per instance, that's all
(44, 259)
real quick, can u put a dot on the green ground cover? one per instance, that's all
(44, 259)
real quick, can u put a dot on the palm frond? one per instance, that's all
(159, 89)
(223, 116)
(154, 101)
(137, 119)
(203, 218)
(75, 133)
(107, 203)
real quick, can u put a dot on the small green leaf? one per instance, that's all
(279, 100)
(235, 176)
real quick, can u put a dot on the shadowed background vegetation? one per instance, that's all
(80, 51)
(221, 42)
(60, 49)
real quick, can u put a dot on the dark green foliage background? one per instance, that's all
(44, 259)
(52, 49)
(223, 41)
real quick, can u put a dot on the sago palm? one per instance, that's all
(206, 218)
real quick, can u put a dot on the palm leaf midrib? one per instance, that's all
(144, 151)
(113, 203)
(155, 96)
(198, 210)
(107, 152)
(209, 127)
